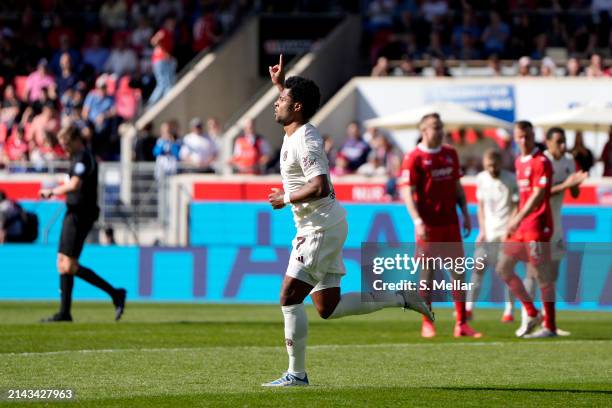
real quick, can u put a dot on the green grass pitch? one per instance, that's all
(180, 355)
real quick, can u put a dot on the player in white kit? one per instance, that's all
(497, 195)
(315, 266)
(565, 176)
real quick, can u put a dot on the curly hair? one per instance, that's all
(306, 92)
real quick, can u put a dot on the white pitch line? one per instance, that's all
(313, 347)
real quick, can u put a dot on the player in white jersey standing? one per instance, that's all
(565, 176)
(316, 265)
(497, 195)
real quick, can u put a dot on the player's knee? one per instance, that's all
(326, 312)
(66, 265)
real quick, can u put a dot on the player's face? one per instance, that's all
(432, 131)
(283, 108)
(557, 145)
(492, 166)
(524, 139)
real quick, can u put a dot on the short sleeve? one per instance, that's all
(81, 167)
(541, 175)
(408, 172)
(312, 158)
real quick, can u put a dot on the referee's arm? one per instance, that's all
(72, 185)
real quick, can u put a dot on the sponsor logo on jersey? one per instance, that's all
(285, 155)
(307, 162)
(443, 172)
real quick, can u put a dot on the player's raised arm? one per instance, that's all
(277, 74)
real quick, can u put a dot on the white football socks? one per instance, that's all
(509, 309)
(472, 295)
(357, 303)
(296, 332)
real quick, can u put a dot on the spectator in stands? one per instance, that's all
(595, 68)
(122, 59)
(439, 68)
(330, 151)
(99, 109)
(65, 47)
(548, 67)
(11, 108)
(381, 68)
(96, 55)
(39, 80)
(573, 67)
(113, 14)
(341, 167)
(16, 148)
(144, 144)
(380, 14)
(494, 65)
(434, 8)
(48, 151)
(67, 79)
(166, 151)
(468, 26)
(204, 32)
(468, 50)
(213, 129)
(164, 64)
(198, 150)
(436, 46)
(383, 160)
(139, 39)
(11, 220)
(405, 68)
(355, 150)
(251, 151)
(46, 122)
(582, 155)
(495, 35)
(606, 156)
(524, 66)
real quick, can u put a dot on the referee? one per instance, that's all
(81, 193)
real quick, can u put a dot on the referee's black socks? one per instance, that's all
(66, 284)
(91, 277)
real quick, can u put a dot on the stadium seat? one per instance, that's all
(20, 86)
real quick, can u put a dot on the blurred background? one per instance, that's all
(174, 99)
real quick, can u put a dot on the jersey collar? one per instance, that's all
(426, 149)
(525, 159)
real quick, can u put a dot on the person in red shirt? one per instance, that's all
(164, 64)
(530, 230)
(429, 183)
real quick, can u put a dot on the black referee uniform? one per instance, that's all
(82, 212)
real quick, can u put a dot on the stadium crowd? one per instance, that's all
(437, 30)
(94, 66)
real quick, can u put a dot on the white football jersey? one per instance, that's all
(498, 196)
(562, 168)
(303, 158)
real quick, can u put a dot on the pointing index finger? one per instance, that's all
(280, 61)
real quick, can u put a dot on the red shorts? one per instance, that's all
(528, 246)
(444, 241)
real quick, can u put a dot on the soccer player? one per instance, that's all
(530, 230)
(81, 192)
(429, 183)
(497, 195)
(566, 176)
(316, 265)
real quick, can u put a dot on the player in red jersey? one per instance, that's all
(529, 232)
(429, 183)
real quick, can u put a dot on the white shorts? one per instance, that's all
(316, 257)
(557, 247)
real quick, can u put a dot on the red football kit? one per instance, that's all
(434, 173)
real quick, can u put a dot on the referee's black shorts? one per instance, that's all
(75, 228)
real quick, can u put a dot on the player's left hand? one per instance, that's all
(467, 226)
(276, 198)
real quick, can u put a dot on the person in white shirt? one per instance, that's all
(497, 195)
(198, 149)
(566, 176)
(315, 266)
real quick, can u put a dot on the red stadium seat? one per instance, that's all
(20, 87)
